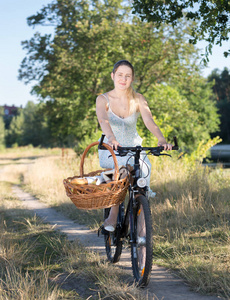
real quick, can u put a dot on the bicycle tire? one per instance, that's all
(113, 242)
(142, 249)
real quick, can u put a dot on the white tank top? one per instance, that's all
(124, 129)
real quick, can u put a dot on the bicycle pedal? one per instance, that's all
(102, 230)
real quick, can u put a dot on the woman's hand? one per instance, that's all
(164, 144)
(113, 143)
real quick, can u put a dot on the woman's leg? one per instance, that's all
(145, 168)
(111, 221)
(112, 218)
(146, 172)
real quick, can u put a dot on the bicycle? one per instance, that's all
(134, 222)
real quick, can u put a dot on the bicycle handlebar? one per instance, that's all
(125, 150)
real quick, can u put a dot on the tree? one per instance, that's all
(2, 129)
(199, 94)
(211, 17)
(15, 131)
(29, 127)
(191, 119)
(72, 67)
(221, 89)
(35, 126)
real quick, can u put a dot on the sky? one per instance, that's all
(14, 29)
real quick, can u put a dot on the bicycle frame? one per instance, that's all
(134, 188)
(128, 221)
(133, 191)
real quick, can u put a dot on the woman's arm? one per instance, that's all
(102, 116)
(150, 124)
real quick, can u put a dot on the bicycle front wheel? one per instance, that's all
(142, 242)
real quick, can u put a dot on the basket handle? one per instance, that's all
(116, 174)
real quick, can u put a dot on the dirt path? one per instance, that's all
(163, 285)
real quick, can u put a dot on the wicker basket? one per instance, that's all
(92, 196)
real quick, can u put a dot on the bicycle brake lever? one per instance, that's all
(116, 155)
(122, 154)
(155, 153)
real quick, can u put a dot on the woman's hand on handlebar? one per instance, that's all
(165, 145)
(113, 143)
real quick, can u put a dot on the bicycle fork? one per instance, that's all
(132, 207)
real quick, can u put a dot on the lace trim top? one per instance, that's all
(124, 129)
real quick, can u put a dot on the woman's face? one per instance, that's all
(123, 77)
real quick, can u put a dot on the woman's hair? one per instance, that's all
(123, 63)
(132, 96)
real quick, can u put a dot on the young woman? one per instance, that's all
(117, 113)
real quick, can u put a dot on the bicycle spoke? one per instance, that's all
(141, 238)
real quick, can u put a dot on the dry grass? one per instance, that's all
(191, 214)
(39, 263)
(18, 232)
(45, 180)
(31, 152)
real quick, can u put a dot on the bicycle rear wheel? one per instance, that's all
(113, 242)
(142, 242)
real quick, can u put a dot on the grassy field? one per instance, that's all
(37, 262)
(191, 218)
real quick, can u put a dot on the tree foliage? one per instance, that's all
(221, 89)
(212, 17)
(181, 113)
(15, 131)
(72, 66)
(29, 127)
(2, 129)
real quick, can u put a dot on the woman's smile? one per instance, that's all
(123, 77)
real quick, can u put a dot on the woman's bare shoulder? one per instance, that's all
(140, 96)
(101, 99)
(105, 96)
(101, 102)
(141, 99)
